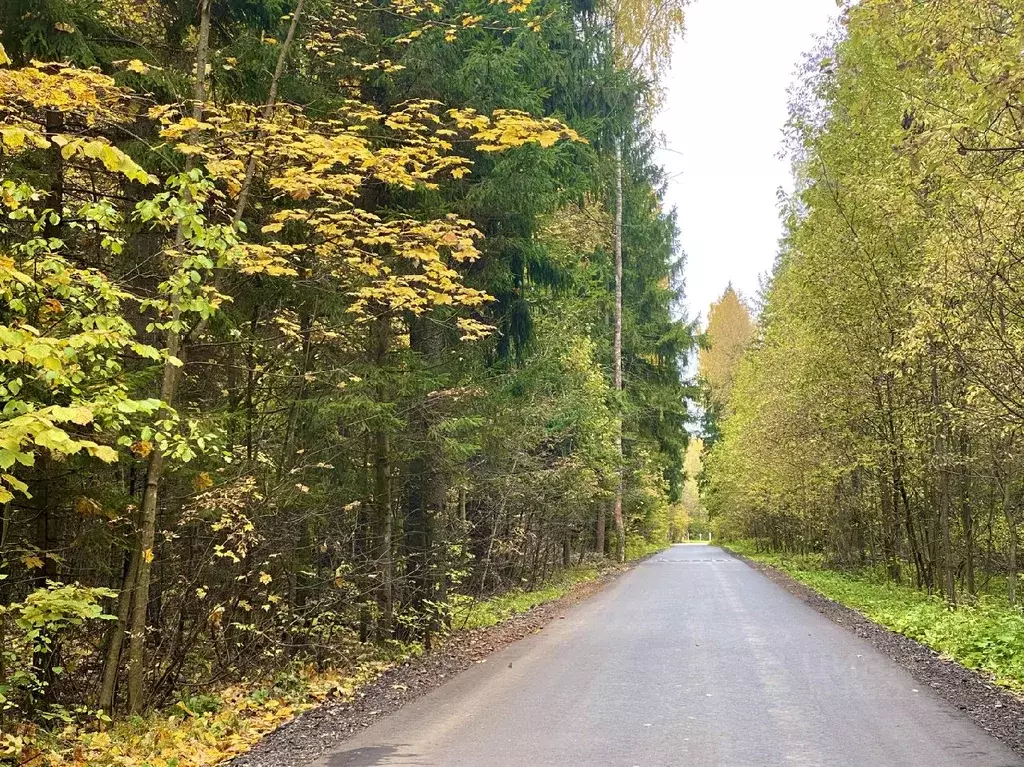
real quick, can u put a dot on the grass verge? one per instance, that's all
(987, 636)
(473, 614)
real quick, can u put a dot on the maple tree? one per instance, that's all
(306, 338)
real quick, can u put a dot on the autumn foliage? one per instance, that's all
(876, 419)
(304, 341)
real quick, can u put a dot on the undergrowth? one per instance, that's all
(987, 636)
(473, 614)
(469, 613)
(207, 728)
(199, 730)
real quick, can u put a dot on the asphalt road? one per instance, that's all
(691, 659)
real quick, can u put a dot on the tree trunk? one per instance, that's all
(363, 544)
(889, 525)
(427, 490)
(967, 517)
(155, 468)
(382, 485)
(268, 111)
(112, 661)
(944, 492)
(1011, 583)
(599, 529)
(620, 532)
(1011, 523)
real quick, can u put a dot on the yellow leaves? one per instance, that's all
(404, 265)
(104, 453)
(39, 87)
(76, 415)
(141, 448)
(229, 170)
(4, 58)
(511, 128)
(384, 65)
(32, 562)
(203, 481)
(162, 112)
(472, 330)
(87, 507)
(265, 259)
(10, 202)
(137, 66)
(215, 617)
(184, 125)
(16, 138)
(187, 736)
(265, 578)
(147, 555)
(51, 309)
(189, 149)
(113, 159)
(468, 119)
(548, 138)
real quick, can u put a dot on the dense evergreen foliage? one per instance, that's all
(306, 332)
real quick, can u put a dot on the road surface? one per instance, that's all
(690, 659)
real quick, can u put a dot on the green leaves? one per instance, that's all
(43, 429)
(61, 350)
(883, 398)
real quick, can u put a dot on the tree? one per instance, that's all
(308, 358)
(729, 331)
(868, 421)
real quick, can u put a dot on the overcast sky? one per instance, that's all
(722, 119)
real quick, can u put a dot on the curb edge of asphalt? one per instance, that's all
(995, 709)
(313, 733)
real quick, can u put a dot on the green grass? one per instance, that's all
(987, 636)
(472, 614)
(469, 613)
(638, 548)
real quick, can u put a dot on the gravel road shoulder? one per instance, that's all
(993, 708)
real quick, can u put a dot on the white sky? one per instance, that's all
(723, 115)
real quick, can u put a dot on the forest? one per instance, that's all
(320, 321)
(874, 419)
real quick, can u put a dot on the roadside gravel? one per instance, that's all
(993, 708)
(307, 737)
